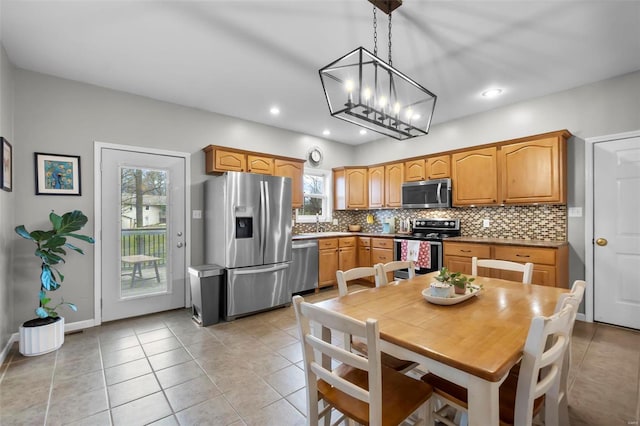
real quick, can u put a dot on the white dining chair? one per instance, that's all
(343, 278)
(505, 265)
(360, 388)
(535, 386)
(382, 277)
(575, 297)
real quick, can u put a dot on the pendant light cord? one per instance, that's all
(375, 32)
(390, 63)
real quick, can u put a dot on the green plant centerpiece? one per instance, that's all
(51, 248)
(445, 279)
(460, 282)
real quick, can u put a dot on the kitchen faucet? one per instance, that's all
(318, 227)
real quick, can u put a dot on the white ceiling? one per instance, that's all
(240, 57)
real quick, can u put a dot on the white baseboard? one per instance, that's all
(74, 326)
(581, 317)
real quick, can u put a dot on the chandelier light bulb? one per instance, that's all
(349, 86)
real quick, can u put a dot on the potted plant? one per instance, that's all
(460, 282)
(46, 332)
(442, 286)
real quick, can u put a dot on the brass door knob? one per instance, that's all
(601, 241)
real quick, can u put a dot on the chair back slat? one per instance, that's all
(340, 383)
(505, 265)
(343, 277)
(383, 269)
(337, 353)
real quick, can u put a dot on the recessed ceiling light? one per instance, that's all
(274, 110)
(326, 132)
(491, 93)
(363, 132)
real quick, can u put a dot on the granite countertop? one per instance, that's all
(509, 242)
(316, 235)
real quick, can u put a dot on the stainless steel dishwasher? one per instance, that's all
(303, 273)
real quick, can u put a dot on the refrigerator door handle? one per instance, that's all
(261, 270)
(263, 219)
(266, 214)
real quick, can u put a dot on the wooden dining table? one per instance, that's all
(473, 343)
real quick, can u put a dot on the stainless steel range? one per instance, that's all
(424, 244)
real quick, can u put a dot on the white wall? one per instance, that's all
(59, 116)
(6, 204)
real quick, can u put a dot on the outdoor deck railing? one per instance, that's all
(147, 241)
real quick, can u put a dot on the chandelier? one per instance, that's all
(363, 89)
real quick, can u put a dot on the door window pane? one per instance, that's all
(143, 232)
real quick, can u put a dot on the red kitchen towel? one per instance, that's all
(418, 251)
(424, 255)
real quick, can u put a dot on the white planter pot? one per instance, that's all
(42, 339)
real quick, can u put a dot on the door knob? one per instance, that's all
(601, 241)
(179, 234)
(179, 245)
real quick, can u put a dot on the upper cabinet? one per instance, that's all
(534, 171)
(415, 170)
(393, 178)
(376, 187)
(224, 160)
(521, 171)
(293, 170)
(350, 186)
(259, 164)
(475, 176)
(220, 159)
(438, 167)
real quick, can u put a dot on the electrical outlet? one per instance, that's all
(486, 223)
(575, 211)
(335, 222)
(196, 214)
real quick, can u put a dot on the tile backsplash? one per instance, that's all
(541, 222)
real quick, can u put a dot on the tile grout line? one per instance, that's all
(53, 373)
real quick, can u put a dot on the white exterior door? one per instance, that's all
(616, 231)
(143, 253)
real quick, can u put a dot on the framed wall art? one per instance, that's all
(57, 174)
(6, 159)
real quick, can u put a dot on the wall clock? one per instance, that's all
(315, 156)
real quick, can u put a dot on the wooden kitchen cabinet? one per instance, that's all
(534, 171)
(393, 178)
(550, 264)
(382, 252)
(347, 253)
(376, 187)
(457, 256)
(350, 186)
(415, 170)
(327, 261)
(259, 164)
(438, 167)
(475, 176)
(364, 254)
(223, 160)
(294, 170)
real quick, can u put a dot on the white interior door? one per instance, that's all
(142, 233)
(616, 219)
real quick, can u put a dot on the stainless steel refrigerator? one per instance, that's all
(248, 231)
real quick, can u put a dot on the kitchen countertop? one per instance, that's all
(316, 235)
(477, 240)
(508, 242)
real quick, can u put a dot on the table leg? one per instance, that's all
(484, 403)
(155, 265)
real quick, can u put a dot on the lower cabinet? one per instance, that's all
(327, 261)
(364, 254)
(347, 256)
(550, 264)
(382, 252)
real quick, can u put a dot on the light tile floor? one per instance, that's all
(162, 369)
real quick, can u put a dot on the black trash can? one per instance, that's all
(206, 293)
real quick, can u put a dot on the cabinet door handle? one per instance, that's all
(466, 251)
(522, 255)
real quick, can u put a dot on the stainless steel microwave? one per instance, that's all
(426, 194)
